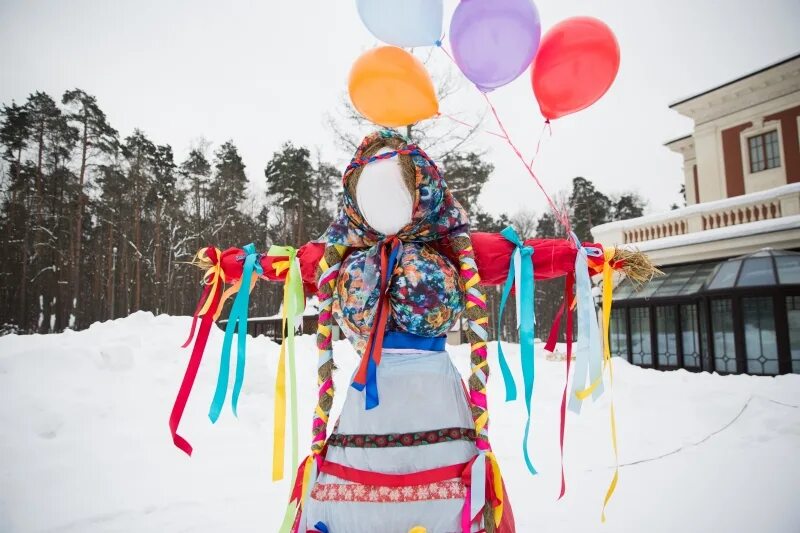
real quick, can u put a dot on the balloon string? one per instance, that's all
(562, 217)
(470, 126)
(549, 131)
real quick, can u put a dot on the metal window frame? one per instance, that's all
(702, 304)
(763, 150)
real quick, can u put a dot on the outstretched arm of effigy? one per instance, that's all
(551, 258)
(231, 262)
(554, 258)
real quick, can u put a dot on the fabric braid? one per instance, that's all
(477, 334)
(327, 272)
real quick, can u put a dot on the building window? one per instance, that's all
(641, 343)
(793, 317)
(761, 345)
(722, 326)
(690, 336)
(619, 334)
(666, 337)
(764, 151)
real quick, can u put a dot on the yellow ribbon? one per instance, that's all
(497, 480)
(279, 425)
(213, 276)
(293, 304)
(608, 254)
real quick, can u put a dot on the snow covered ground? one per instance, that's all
(85, 445)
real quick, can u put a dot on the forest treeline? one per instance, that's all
(95, 224)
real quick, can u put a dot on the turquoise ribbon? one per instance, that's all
(589, 354)
(520, 272)
(237, 320)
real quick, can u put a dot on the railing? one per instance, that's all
(656, 231)
(775, 203)
(742, 214)
(271, 327)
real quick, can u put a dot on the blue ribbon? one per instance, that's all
(237, 320)
(321, 527)
(521, 259)
(405, 340)
(589, 355)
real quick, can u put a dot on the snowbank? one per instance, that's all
(85, 445)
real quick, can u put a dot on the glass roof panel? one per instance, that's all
(682, 280)
(765, 252)
(757, 271)
(678, 278)
(788, 269)
(725, 276)
(623, 290)
(652, 286)
(694, 284)
(753, 270)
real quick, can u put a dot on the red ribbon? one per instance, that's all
(366, 477)
(194, 316)
(374, 346)
(194, 361)
(550, 346)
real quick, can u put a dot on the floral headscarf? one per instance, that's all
(435, 214)
(425, 297)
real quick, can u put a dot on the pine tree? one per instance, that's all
(196, 170)
(139, 153)
(162, 196)
(325, 179)
(59, 190)
(290, 185)
(466, 174)
(15, 131)
(97, 138)
(628, 205)
(589, 207)
(227, 191)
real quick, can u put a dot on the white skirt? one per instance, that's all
(423, 422)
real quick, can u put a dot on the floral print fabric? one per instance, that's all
(436, 212)
(424, 294)
(336, 492)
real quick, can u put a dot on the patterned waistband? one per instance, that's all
(394, 440)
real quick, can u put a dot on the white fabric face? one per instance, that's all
(382, 195)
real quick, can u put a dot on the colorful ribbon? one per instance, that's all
(293, 518)
(589, 348)
(293, 306)
(237, 320)
(478, 478)
(366, 375)
(213, 280)
(550, 346)
(520, 274)
(608, 255)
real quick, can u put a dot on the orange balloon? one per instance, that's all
(391, 87)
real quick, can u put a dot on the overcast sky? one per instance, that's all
(265, 72)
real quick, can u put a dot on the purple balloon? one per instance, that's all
(494, 41)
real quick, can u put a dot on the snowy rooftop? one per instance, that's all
(85, 445)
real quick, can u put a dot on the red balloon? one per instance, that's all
(577, 62)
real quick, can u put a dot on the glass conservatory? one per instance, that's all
(736, 316)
